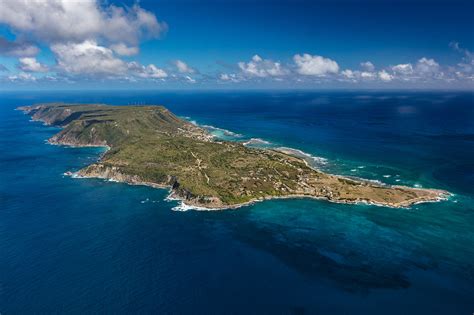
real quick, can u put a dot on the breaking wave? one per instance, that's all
(224, 134)
(311, 159)
(216, 131)
(256, 142)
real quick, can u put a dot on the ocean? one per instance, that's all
(91, 246)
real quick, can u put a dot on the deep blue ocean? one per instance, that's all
(91, 246)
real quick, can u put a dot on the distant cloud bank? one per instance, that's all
(95, 40)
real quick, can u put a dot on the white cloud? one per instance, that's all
(224, 77)
(262, 68)
(22, 76)
(30, 64)
(424, 69)
(465, 68)
(348, 74)
(385, 76)
(87, 37)
(356, 75)
(152, 71)
(148, 72)
(189, 79)
(315, 65)
(90, 59)
(403, 69)
(367, 75)
(427, 66)
(183, 67)
(229, 77)
(66, 20)
(124, 50)
(367, 66)
(17, 48)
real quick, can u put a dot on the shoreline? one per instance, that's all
(443, 196)
(189, 204)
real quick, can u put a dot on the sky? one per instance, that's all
(95, 44)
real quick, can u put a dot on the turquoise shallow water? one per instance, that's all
(76, 245)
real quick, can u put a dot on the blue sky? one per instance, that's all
(236, 44)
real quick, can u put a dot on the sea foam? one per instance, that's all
(184, 207)
(215, 131)
(301, 154)
(256, 142)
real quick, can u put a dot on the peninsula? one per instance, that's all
(149, 145)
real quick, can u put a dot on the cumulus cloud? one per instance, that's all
(465, 68)
(356, 75)
(183, 67)
(87, 37)
(22, 76)
(426, 66)
(349, 74)
(148, 72)
(262, 68)
(17, 48)
(65, 20)
(90, 59)
(367, 66)
(87, 58)
(424, 70)
(315, 65)
(403, 69)
(232, 77)
(124, 50)
(224, 77)
(30, 64)
(385, 76)
(367, 75)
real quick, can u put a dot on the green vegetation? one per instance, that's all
(150, 145)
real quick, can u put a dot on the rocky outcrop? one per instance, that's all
(114, 173)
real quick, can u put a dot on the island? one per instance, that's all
(149, 145)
